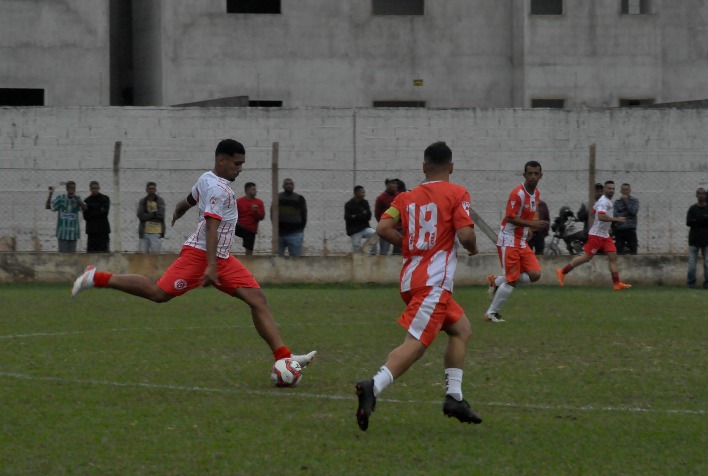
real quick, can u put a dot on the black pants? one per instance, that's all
(97, 243)
(626, 241)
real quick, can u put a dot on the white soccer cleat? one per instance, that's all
(85, 281)
(493, 317)
(304, 360)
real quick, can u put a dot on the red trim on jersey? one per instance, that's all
(212, 215)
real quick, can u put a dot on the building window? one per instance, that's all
(265, 103)
(399, 103)
(21, 97)
(636, 7)
(253, 6)
(546, 7)
(548, 103)
(398, 7)
(636, 102)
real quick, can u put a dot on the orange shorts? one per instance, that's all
(515, 261)
(596, 243)
(187, 273)
(428, 311)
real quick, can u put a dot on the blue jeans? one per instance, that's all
(151, 243)
(293, 242)
(364, 234)
(692, 260)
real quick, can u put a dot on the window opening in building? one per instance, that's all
(21, 97)
(398, 7)
(265, 103)
(253, 6)
(636, 102)
(399, 103)
(546, 7)
(548, 103)
(636, 7)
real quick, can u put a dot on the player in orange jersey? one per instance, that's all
(434, 216)
(518, 260)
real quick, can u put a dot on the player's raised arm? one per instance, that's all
(182, 207)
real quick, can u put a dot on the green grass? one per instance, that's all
(578, 381)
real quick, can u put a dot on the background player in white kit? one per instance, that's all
(205, 258)
(599, 239)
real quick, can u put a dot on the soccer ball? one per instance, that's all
(286, 373)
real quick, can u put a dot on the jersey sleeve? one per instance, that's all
(461, 212)
(513, 205)
(214, 203)
(394, 211)
(601, 207)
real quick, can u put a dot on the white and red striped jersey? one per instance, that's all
(521, 204)
(603, 206)
(215, 199)
(430, 216)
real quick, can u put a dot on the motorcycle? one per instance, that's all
(568, 229)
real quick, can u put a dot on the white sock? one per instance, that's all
(500, 297)
(453, 383)
(382, 379)
(524, 278)
(500, 280)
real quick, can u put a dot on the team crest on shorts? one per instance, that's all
(180, 284)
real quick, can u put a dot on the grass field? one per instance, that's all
(578, 381)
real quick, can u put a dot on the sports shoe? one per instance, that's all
(561, 277)
(304, 360)
(619, 286)
(367, 403)
(492, 289)
(460, 410)
(493, 317)
(85, 281)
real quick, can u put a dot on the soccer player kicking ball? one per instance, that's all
(517, 258)
(599, 239)
(205, 258)
(432, 216)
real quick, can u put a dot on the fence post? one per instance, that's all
(275, 206)
(591, 183)
(117, 242)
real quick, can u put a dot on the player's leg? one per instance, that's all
(459, 334)
(134, 284)
(617, 285)
(591, 247)
(511, 264)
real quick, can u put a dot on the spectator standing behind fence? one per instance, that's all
(67, 206)
(697, 220)
(98, 229)
(357, 214)
(538, 241)
(292, 219)
(626, 233)
(251, 210)
(151, 213)
(383, 203)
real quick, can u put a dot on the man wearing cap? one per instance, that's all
(383, 203)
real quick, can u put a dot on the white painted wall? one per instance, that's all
(662, 153)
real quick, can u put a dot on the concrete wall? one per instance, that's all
(661, 152)
(61, 46)
(62, 268)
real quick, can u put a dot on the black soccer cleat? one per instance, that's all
(367, 403)
(460, 410)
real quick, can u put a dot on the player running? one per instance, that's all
(434, 216)
(599, 239)
(518, 260)
(205, 258)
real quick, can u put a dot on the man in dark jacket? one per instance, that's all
(357, 214)
(626, 233)
(383, 202)
(292, 218)
(96, 215)
(151, 213)
(697, 220)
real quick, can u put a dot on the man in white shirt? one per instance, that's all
(205, 258)
(599, 239)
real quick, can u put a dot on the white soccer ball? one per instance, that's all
(286, 373)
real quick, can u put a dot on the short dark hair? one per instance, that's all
(626, 184)
(532, 163)
(357, 188)
(609, 182)
(248, 185)
(150, 183)
(599, 186)
(70, 182)
(230, 147)
(92, 183)
(438, 153)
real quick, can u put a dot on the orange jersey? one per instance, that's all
(522, 205)
(430, 215)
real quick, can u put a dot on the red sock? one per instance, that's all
(100, 279)
(567, 269)
(282, 352)
(615, 277)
